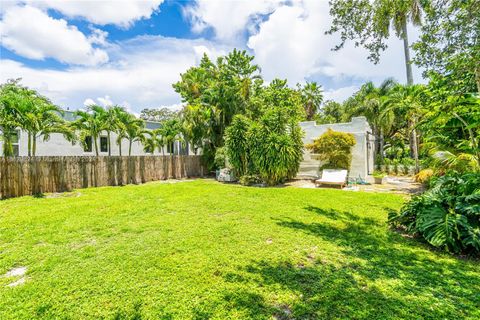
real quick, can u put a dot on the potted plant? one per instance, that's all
(378, 177)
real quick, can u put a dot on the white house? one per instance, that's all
(57, 145)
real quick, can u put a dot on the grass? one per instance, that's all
(199, 250)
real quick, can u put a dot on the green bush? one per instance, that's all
(237, 144)
(271, 147)
(447, 215)
(220, 158)
(334, 149)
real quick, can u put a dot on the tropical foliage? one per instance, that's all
(21, 107)
(269, 147)
(447, 215)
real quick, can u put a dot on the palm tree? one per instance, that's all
(370, 101)
(132, 129)
(410, 101)
(121, 116)
(170, 132)
(312, 97)
(111, 123)
(91, 124)
(151, 140)
(10, 100)
(44, 120)
(400, 13)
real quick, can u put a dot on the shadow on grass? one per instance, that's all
(380, 275)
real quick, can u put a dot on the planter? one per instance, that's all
(378, 180)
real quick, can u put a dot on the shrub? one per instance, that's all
(220, 158)
(378, 174)
(248, 180)
(237, 144)
(271, 147)
(424, 176)
(447, 215)
(334, 149)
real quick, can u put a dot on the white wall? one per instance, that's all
(57, 145)
(358, 127)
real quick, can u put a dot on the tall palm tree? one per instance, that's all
(111, 123)
(91, 124)
(370, 101)
(44, 120)
(399, 13)
(10, 100)
(410, 101)
(312, 97)
(132, 129)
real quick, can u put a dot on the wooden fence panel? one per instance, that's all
(21, 176)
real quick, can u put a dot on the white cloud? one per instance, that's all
(119, 12)
(140, 74)
(291, 44)
(340, 94)
(105, 101)
(88, 102)
(227, 18)
(31, 33)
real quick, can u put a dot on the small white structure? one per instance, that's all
(362, 152)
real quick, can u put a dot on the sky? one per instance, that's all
(130, 52)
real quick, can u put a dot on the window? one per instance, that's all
(171, 148)
(14, 137)
(103, 144)
(15, 142)
(88, 144)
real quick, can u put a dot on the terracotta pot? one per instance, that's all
(378, 180)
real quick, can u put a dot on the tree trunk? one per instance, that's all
(415, 147)
(381, 145)
(95, 142)
(406, 48)
(29, 144)
(477, 78)
(129, 147)
(34, 144)
(120, 148)
(109, 148)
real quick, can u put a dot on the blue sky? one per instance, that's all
(130, 52)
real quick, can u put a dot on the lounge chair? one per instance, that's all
(333, 177)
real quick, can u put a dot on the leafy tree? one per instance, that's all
(370, 101)
(27, 109)
(90, 123)
(312, 98)
(170, 132)
(237, 144)
(223, 88)
(197, 125)
(158, 115)
(10, 100)
(331, 112)
(132, 129)
(368, 23)
(410, 100)
(334, 149)
(450, 43)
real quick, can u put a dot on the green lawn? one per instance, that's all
(198, 250)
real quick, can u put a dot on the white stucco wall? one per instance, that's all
(358, 127)
(58, 146)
